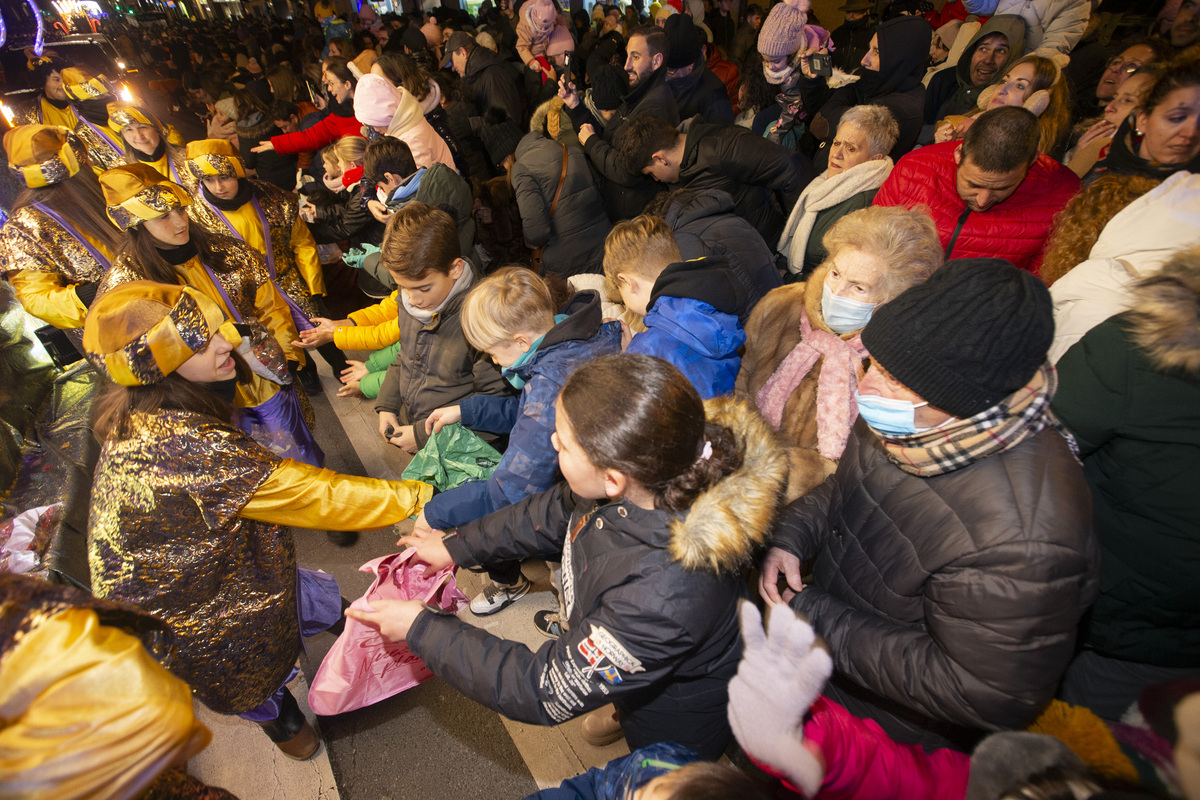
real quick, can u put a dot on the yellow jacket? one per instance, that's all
(375, 327)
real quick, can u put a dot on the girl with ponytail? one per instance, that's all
(664, 501)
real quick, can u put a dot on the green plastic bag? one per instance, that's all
(451, 457)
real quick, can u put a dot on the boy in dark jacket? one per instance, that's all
(690, 308)
(764, 178)
(436, 366)
(510, 316)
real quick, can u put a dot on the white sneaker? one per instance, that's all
(495, 597)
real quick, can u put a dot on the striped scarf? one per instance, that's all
(1020, 416)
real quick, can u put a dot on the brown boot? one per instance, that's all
(303, 746)
(601, 727)
(291, 732)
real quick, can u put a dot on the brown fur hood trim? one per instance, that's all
(1166, 314)
(729, 522)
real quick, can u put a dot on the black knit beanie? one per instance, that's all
(683, 42)
(608, 87)
(968, 337)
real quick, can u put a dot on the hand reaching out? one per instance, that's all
(392, 618)
(440, 418)
(428, 544)
(779, 562)
(781, 674)
(351, 378)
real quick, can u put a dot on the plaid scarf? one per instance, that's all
(1020, 416)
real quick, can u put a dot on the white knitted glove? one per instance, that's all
(780, 676)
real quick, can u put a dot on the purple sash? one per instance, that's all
(279, 426)
(298, 316)
(101, 259)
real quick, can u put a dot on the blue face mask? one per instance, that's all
(844, 315)
(888, 416)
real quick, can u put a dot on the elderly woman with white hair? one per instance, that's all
(858, 165)
(804, 355)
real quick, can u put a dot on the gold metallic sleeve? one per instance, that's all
(44, 295)
(304, 496)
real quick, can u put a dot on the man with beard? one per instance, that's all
(956, 91)
(626, 193)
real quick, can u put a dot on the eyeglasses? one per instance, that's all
(1123, 66)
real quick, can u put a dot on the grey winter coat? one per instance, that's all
(953, 601)
(574, 236)
(435, 367)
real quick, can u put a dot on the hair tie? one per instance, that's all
(706, 453)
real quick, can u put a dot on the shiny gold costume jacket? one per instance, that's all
(185, 523)
(297, 265)
(86, 710)
(39, 111)
(44, 264)
(254, 298)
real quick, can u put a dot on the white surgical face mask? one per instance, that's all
(844, 315)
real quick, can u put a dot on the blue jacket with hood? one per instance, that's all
(692, 322)
(530, 464)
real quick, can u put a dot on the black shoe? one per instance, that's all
(343, 538)
(310, 380)
(339, 627)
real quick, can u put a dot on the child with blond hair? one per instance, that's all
(691, 309)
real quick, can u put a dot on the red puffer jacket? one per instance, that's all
(1015, 229)
(327, 131)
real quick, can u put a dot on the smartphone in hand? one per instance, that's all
(821, 64)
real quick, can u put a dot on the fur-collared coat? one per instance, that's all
(1130, 393)
(771, 334)
(651, 600)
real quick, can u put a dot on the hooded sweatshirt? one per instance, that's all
(951, 91)
(1134, 244)
(692, 322)
(410, 126)
(896, 85)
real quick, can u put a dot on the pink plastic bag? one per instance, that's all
(362, 667)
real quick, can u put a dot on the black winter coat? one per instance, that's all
(952, 600)
(494, 83)
(1138, 427)
(625, 194)
(703, 93)
(903, 53)
(764, 179)
(651, 601)
(705, 224)
(574, 236)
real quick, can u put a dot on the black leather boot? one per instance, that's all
(291, 732)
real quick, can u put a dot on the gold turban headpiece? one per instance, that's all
(214, 158)
(140, 332)
(134, 193)
(41, 155)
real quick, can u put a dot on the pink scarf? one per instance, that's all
(836, 409)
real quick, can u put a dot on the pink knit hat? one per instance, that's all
(783, 32)
(375, 101)
(560, 42)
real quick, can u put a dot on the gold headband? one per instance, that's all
(122, 116)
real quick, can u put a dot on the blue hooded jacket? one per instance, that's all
(530, 464)
(692, 322)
